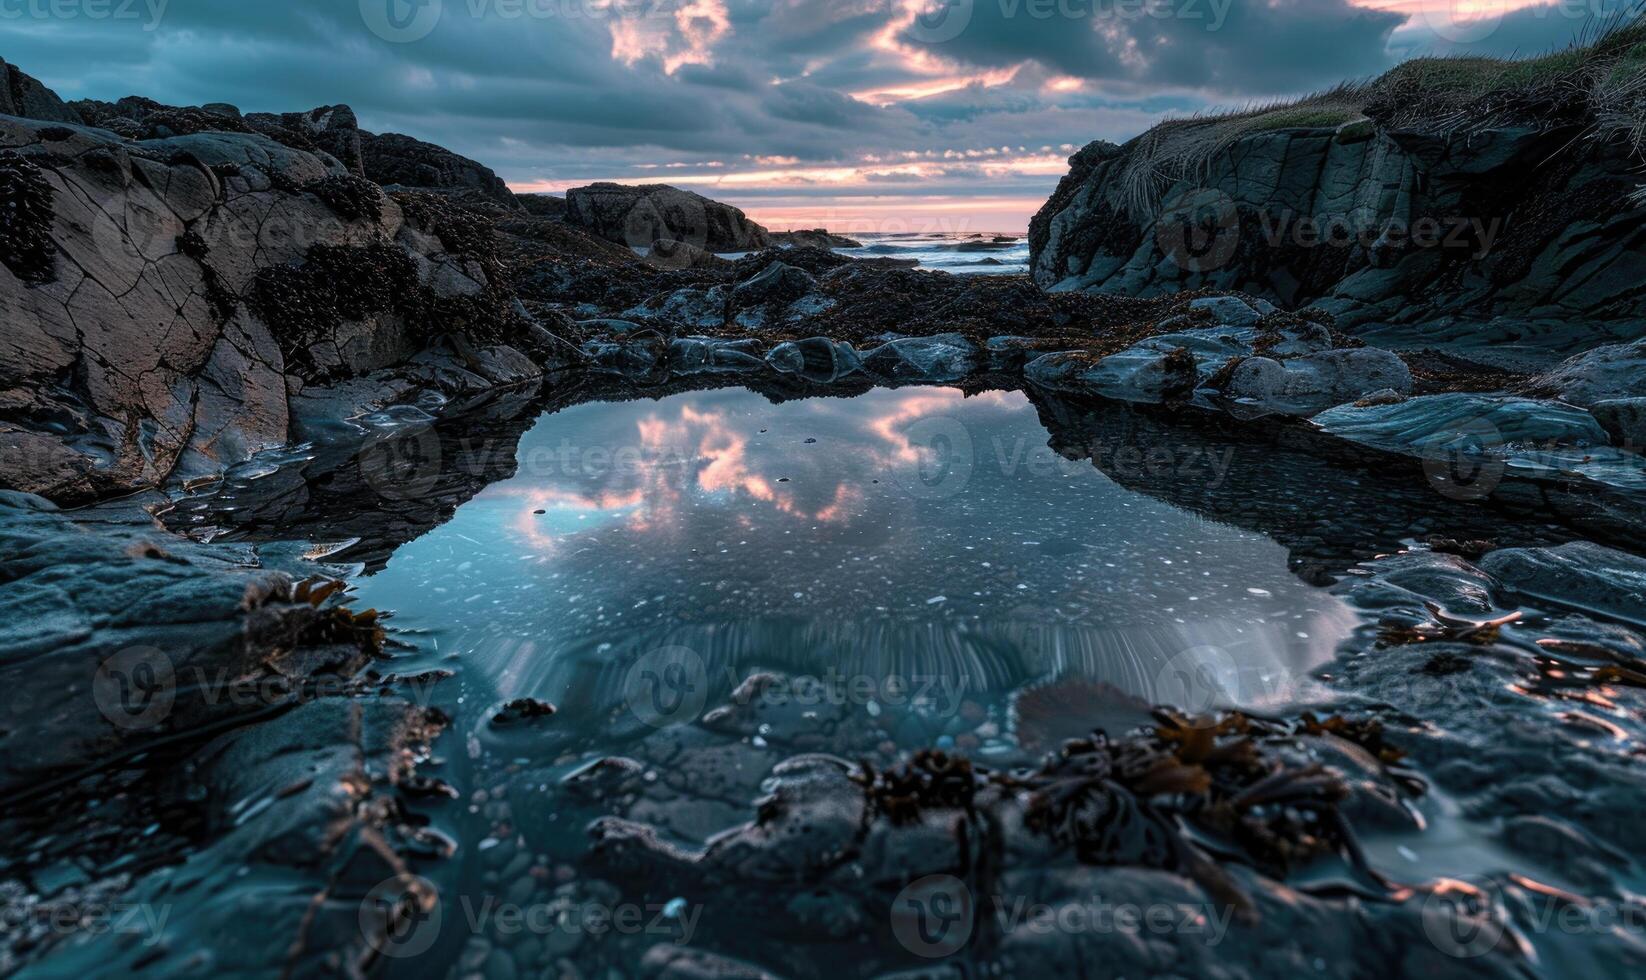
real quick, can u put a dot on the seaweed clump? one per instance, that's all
(1175, 793)
(26, 247)
(350, 198)
(335, 284)
(301, 638)
(464, 233)
(930, 779)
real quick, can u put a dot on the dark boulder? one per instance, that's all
(23, 95)
(543, 205)
(813, 238)
(639, 215)
(332, 128)
(395, 159)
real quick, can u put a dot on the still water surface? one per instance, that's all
(911, 543)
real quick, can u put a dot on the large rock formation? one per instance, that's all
(175, 304)
(1519, 237)
(639, 215)
(395, 159)
(22, 95)
(390, 159)
(1507, 236)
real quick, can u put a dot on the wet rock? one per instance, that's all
(1444, 422)
(815, 359)
(115, 624)
(944, 357)
(699, 309)
(694, 355)
(1008, 353)
(612, 325)
(1582, 575)
(1606, 373)
(1624, 419)
(1407, 584)
(671, 962)
(1310, 383)
(777, 283)
(1232, 311)
(637, 358)
(1148, 372)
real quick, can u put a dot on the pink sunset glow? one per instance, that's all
(966, 187)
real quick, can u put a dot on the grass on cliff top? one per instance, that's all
(1599, 82)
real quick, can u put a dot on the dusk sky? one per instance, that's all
(860, 115)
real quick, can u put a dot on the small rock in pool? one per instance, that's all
(523, 709)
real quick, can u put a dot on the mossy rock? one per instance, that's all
(26, 246)
(350, 198)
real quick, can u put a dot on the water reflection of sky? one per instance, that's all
(715, 515)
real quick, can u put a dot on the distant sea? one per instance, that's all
(962, 254)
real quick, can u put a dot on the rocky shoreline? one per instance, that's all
(230, 335)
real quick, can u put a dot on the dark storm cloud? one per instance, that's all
(559, 90)
(1268, 47)
(1528, 31)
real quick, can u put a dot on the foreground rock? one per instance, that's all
(141, 663)
(121, 633)
(177, 304)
